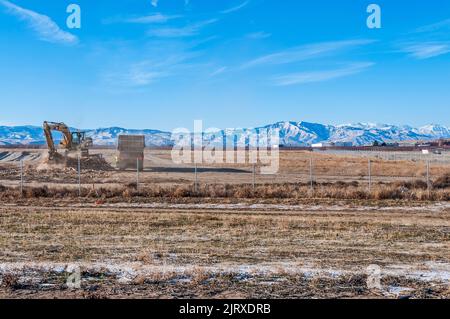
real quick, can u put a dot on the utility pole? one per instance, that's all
(370, 175)
(311, 177)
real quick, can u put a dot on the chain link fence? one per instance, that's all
(364, 168)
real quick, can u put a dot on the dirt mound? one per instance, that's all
(95, 163)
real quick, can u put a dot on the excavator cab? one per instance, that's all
(82, 143)
(77, 138)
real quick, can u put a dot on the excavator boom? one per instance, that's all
(50, 143)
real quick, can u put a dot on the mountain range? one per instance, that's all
(291, 134)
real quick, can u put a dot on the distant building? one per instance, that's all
(392, 144)
(407, 144)
(331, 144)
(321, 145)
(343, 144)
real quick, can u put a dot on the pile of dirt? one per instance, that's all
(94, 163)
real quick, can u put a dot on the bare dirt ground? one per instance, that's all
(227, 240)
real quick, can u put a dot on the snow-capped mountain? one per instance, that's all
(291, 134)
(435, 130)
(27, 135)
(305, 134)
(108, 136)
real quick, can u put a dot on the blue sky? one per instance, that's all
(232, 63)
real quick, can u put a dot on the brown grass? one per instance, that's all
(346, 241)
(442, 182)
(344, 165)
(404, 190)
(10, 281)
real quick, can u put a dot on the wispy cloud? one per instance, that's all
(259, 35)
(236, 8)
(306, 52)
(153, 18)
(45, 28)
(139, 77)
(155, 3)
(445, 24)
(320, 76)
(219, 71)
(427, 42)
(148, 19)
(136, 76)
(150, 71)
(179, 32)
(428, 50)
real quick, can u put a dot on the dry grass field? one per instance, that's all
(224, 251)
(281, 239)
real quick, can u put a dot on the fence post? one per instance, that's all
(254, 177)
(21, 178)
(195, 179)
(370, 175)
(79, 175)
(428, 178)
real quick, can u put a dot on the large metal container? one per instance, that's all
(131, 152)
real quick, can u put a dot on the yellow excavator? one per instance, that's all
(71, 142)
